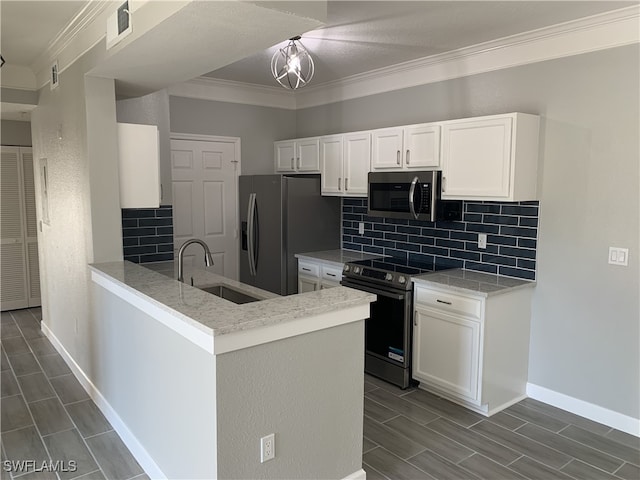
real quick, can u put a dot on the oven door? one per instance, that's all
(388, 328)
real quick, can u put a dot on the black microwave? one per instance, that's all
(412, 195)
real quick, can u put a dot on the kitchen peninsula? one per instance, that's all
(196, 381)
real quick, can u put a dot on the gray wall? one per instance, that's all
(152, 109)
(585, 328)
(257, 127)
(308, 391)
(15, 133)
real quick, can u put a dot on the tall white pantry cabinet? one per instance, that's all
(20, 275)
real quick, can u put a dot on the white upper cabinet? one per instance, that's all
(357, 163)
(300, 155)
(490, 158)
(139, 166)
(344, 163)
(406, 148)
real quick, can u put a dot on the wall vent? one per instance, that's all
(55, 75)
(118, 25)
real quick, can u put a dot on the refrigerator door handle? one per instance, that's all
(256, 235)
(250, 233)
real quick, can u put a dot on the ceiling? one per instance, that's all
(360, 36)
(29, 26)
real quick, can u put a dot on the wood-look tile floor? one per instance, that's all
(413, 434)
(47, 418)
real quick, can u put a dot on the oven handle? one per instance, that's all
(377, 291)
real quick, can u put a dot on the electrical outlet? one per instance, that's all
(267, 447)
(619, 256)
(482, 240)
(361, 228)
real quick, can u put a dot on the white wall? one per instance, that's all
(83, 198)
(585, 327)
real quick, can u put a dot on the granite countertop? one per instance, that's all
(336, 257)
(216, 316)
(469, 281)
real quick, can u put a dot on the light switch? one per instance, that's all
(619, 256)
(361, 228)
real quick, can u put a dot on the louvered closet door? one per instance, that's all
(31, 228)
(13, 265)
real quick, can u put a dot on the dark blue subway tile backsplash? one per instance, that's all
(511, 228)
(147, 234)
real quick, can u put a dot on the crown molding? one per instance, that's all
(86, 29)
(589, 34)
(206, 88)
(598, 32)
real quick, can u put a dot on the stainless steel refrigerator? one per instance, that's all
(280, 216)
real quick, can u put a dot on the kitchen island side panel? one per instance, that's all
(308, 390)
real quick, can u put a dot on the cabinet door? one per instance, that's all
(331, 150)
(386, 149)
(308, 155)
(446, 352)
(307, 284)
(476, 158)
(328, 284)
(139, 166)
(285, 153)
(357, 163)
(422, 146)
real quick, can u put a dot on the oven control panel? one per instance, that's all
(394, 279)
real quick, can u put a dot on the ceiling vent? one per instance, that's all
(118, 25)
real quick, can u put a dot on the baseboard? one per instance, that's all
(359, 475)
(135, 447)
(588, 410)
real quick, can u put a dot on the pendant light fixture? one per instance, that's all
(292, 66)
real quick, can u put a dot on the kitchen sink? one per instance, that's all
(229, 293)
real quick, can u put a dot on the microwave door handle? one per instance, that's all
(412, 191)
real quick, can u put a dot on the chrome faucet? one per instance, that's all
(208, 259)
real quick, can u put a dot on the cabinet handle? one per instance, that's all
(331, 274)
(293, 165)
(339, 183)
(298, 163)
(442, 301)
(407, 156)
(346, 184)
(444, 183)
(306, 269)
(398, 157)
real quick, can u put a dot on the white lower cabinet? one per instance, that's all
(471, 349)
(318, 275)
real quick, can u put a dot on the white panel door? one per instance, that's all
(205, 196)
